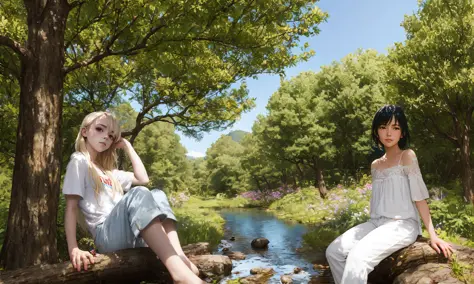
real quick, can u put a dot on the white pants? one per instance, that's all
(354, 254)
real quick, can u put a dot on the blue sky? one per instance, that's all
(352, 24)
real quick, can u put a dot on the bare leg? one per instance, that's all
(154, 235)
(170, 229)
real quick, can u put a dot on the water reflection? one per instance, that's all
(247, 224)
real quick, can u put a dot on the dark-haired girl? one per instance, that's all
(398, 195)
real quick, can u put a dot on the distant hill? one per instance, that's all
(237, 135)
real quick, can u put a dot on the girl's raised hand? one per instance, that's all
(122, 143)
(78, 257)
(439, 245)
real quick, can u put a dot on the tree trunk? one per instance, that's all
(257, 182)
(416, 254)
(124, 266)
(266, 182)
(298, 167)
(295, 181)
(411, 261)
(320, 183)
(284, 177)
(466, 172)
(31, 231)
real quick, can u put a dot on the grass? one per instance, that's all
(451, 238)
(307, 207)
(199, 225)
(462, 271)
(218, 202)
(342, 209)
(199, 220)
(346, 207)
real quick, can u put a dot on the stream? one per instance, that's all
(283, 251)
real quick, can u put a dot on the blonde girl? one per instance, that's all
(117, 215)
(397, 202)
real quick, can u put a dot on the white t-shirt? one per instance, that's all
(78, 181)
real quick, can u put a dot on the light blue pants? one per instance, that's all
(354, 254)
(137, 208)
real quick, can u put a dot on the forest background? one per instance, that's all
(180, 62)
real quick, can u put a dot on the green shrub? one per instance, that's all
(342, 209)
(453, 215)
(5, 192)
(219, 202)
(199, 225)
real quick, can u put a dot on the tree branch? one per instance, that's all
(15, 46)
(107, 52)
(94, 20)
(75, 4)
(172, 116)
(442, 133)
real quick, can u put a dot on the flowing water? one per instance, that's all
(283, 253)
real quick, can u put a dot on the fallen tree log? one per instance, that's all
(428, 273)
(124, 266)
(408, 259)
(442, 272)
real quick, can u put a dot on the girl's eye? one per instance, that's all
(382, 127)
(111, 137)
(98, 129)
(397, 128)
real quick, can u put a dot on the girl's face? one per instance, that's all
(99, 135)
(389, 134)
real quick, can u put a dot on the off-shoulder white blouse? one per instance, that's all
(395, 190)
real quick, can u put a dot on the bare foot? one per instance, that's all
(191, 265)
(193, 279)
(187, 282)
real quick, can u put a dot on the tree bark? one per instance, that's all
(31, 231)
(298, 167)
(295, 181)
(320, 183)
(407, 258)
(266, 182)
(257, 182)
(466, 172)
(124, 266)
(435, 272)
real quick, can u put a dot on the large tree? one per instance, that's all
(433, 72)
(266, 169)
(354, 89)
(322, 120)
(50, 40)
(256, 162)
(164, 157)
(296, 128)
(223, 162)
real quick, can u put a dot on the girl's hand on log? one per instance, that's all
(78, 256)
(439, 245)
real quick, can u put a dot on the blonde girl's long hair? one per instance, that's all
(106, 160)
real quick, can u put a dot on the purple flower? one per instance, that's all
(361, 190)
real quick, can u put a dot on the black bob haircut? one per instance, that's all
(384, 116)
